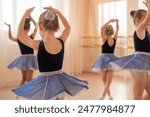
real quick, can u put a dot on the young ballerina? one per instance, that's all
(52, 83)
(139, 62)
(108, 47)
(27, 62)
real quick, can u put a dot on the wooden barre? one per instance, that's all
(99, 46)
(98, 37)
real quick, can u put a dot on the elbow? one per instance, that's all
(18, 36)
(68, 28)
(10, 37)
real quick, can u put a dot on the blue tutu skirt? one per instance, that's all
(102, 63)
(140, 61)
(24, 62)
(49, 85)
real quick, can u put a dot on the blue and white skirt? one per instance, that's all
(24, 62)
(102, 63)
(139, 61)
(50, 85)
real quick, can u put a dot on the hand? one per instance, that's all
(113, 20)
(116, 20)
(7, 24)
(29, 11)
(51, 9)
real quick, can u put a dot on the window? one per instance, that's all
(22, 5)
(7, 12)
(12, 10)
(111, 10)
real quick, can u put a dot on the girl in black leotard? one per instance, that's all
(27, 62)
(52, 83)
(102, 63)
(139, 62)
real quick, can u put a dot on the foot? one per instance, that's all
(110, 98)
(102, 98)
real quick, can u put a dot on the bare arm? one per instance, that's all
(22, 36)
(117, 29)
(10, 33)
(142, 26)
(35, 29)
(103, 29)
(65, 23)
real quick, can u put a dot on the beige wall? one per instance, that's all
(132, 5)
(86, 16)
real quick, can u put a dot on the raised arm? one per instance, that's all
(103, 29)
(21, 32)
(10, 33)
(65, 23)
(143, 25)
(117, 29)
(35, 29)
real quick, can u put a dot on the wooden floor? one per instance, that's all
(120, 88)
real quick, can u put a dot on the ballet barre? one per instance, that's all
(99, 46)
(99, 37)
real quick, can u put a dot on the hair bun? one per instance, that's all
(132, 13)
(49, 15)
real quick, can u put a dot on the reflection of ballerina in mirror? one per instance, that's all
(109, 37)
(27, 62)
(138, 63)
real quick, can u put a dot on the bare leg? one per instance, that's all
(29, 75)
(104, 75)
(139, 81)
(24, 76)
(60, 97)
(108, 82)
(147, 88)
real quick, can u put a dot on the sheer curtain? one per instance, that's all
(73, 54)
(11, 12)
(101, 12)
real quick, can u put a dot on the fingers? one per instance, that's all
(117, 20)
(6, 24)
(46, 8)
(51, 9)
(29, 11)
(112, 20)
